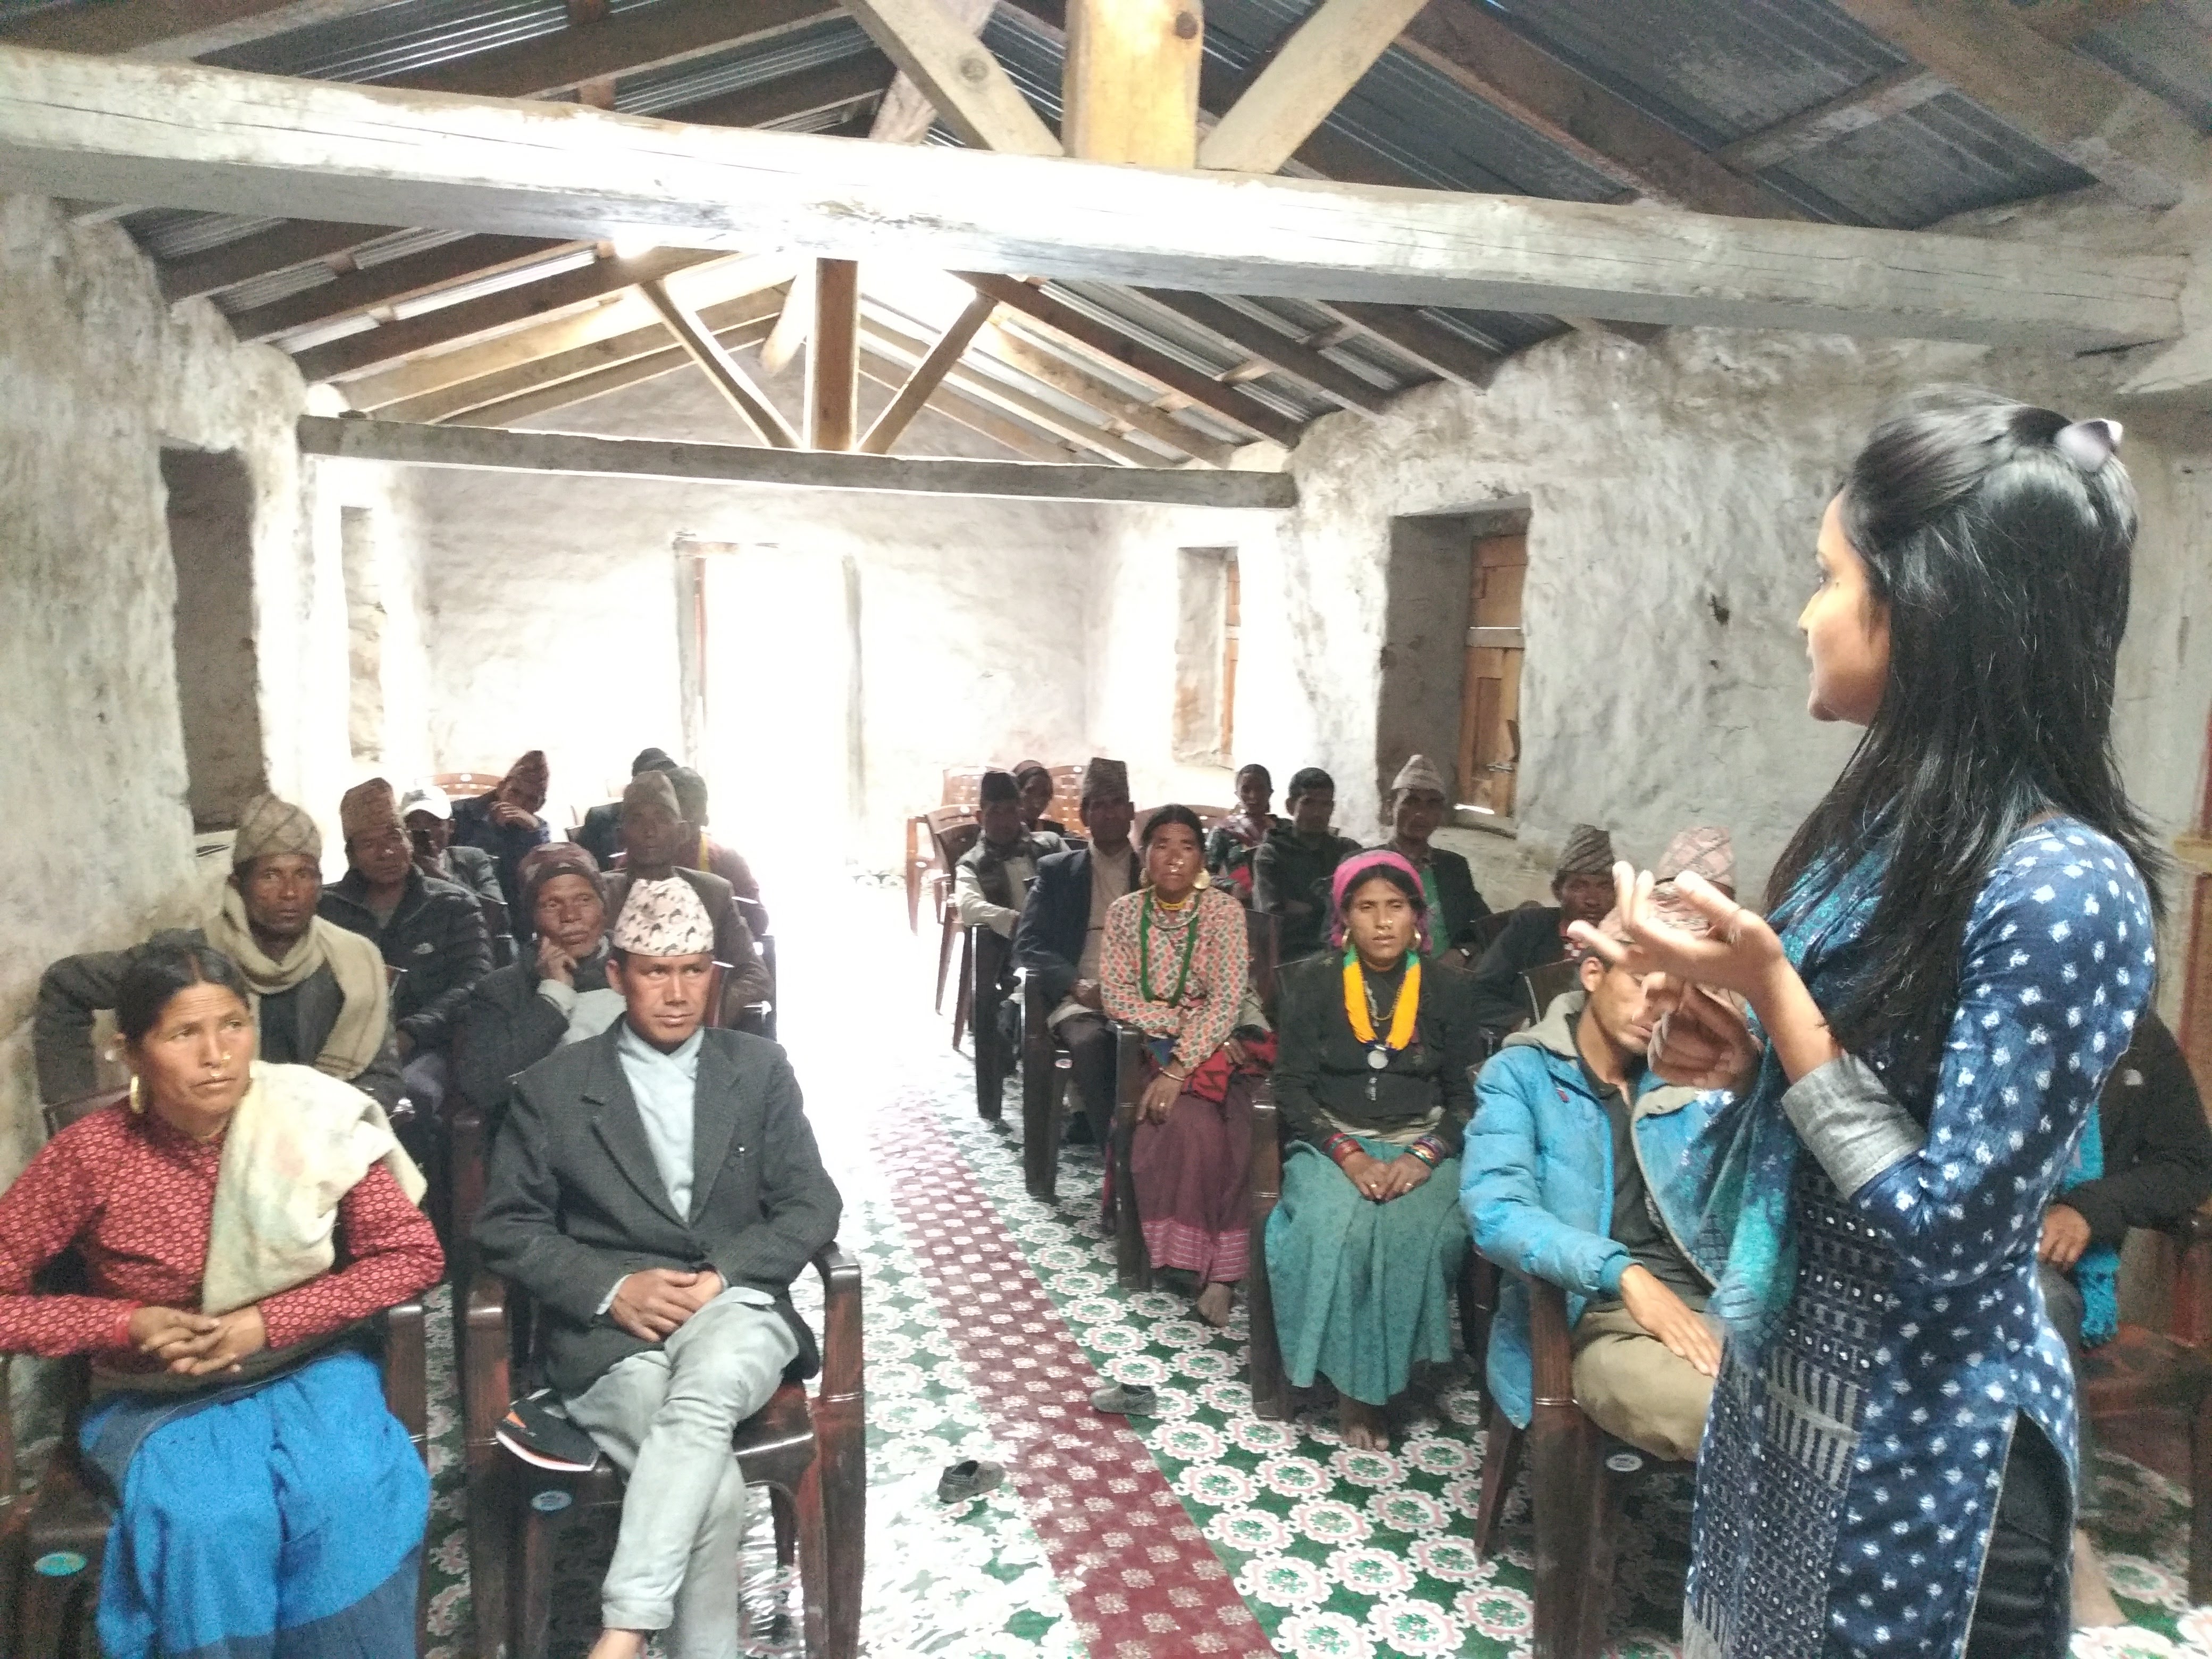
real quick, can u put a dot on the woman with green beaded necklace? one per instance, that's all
(1173, 963)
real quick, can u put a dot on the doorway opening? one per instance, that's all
(210, 515)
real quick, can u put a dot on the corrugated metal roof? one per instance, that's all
(1718, 70)
(400, 39)
(829, 41)
(1193, 347)
(2165, 47)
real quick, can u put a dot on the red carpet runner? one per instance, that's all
(1140, 1579)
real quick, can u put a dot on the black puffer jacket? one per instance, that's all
(436, 937)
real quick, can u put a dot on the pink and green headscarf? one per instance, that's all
(1355, 870)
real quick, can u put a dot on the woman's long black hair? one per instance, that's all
(159, 971)
(2002, 563)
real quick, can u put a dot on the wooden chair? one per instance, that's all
(1576, 1475)
(2141, 1369)
(1044, 1091)
(811, 1455)
(1488, 929)
(984, 957)
(1133, 1265)
(953, 837)
(54, 1539)
(463, 786)
(1274, 1395)
(1067, 796)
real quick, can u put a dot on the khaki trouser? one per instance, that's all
(1634, 1388)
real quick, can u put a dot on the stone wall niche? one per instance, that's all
(211, 522)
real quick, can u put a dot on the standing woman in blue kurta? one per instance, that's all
(1961, 939)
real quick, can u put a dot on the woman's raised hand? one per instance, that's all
(1700, 1039)
(1740, 952)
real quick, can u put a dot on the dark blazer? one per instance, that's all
(1288, 869)
(600, 833)
(505, 1028)
(1457, 896)
(574, 1202)
(436, 937)
(1048, 941)
(473, 868)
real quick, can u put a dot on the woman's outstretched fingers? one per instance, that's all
(1611, 951)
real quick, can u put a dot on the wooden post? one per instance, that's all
(1131, 86)
(928, 375)
(833, 356)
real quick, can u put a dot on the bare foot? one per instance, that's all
(1363, 1427)
(1214, 1304)
(2094, 1605)
(618, 1645)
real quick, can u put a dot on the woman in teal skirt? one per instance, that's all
(1374, 1079)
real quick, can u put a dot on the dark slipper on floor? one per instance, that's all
(972, 1479)
(1126, 1400)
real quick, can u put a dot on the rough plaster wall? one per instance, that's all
(399, 727)
(96, 373)
(553, 623)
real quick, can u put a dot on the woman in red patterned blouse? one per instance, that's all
(230, 1417)
(1173, 962)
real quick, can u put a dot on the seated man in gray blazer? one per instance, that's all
(657, 1189)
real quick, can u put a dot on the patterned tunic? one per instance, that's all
(1854, 1451)
(135, 1197)
(1202, 1020)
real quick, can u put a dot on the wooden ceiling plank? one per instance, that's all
(491, 313)
(186, 136)
(1057, 373)
(2094, 117)
(1308, 368)
(1306, 78)
(1157, 367)
(575, 455)
(727, 375)
(1482, 54)
(970, 87)
(1436, 349)
(469, 259)
(914, 394)
(1891, 93)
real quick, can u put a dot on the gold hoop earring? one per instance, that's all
(137, 1100)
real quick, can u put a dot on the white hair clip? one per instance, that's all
(2089, 444)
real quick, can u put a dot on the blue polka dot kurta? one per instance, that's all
(1854, 1451)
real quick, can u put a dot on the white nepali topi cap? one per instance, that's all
(663, 919)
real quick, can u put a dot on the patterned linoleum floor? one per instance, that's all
(989, 1315)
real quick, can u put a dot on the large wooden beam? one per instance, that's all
(1888, 94)
(1482, 53)
(1307, 77)
(1130, 81)
(430, 330)
(484, 450)
(365, 289)
(927, 375)
(2067, 21)
(184, 135)
(2094, 117)
(1280, 351)
(833, 359)
(724, 371)
(970, 87)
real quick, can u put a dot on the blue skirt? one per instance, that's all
(279, 1520)
(1363, 1290)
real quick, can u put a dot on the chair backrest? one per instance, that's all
(945, 822)
(1067, 796)
(1263, 939)
(1548, 983)
(1210, 816)
(1488, 930)
(63, 1113)
(963, 786)
(462, 784)
(952, 844)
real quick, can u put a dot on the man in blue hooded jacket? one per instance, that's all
(1568, 1165)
